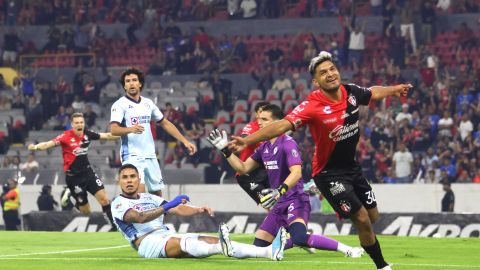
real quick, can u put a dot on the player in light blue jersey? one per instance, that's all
(130, 118)
(139, 217)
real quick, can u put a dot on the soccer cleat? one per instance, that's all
(224, 237)
(355, 252)
(388, 267)
(278, 244)
(65, 197)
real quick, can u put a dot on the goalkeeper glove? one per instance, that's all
(219, 141)
(269, 197)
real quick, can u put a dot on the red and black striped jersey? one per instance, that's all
(74, 150)
(333, 125)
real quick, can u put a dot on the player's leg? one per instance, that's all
(153, 176)
(95, 186)
(78, 191)
(274, 251)
(364, 218)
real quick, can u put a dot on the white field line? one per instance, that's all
(3, 258)
(61, 252)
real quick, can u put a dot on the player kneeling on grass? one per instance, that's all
(139, 217)
(288, 204)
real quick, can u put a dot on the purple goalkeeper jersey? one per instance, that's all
(277, 159)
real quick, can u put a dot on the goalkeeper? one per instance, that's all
(288, 204)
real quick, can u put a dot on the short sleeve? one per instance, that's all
(246, 130)
(300, 115)
(116, 113)
(257, 156)
(292, 153)
(119, 208)
(361, 94)
(59, 139)
(92, 135)
(157, 115)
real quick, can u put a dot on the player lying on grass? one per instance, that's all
(139, 217)
(289, 205)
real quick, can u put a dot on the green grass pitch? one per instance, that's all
(70, 251)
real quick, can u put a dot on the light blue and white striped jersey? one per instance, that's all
(128, 112)
(145, 202)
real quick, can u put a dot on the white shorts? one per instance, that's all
(149, 172)
(154, 244)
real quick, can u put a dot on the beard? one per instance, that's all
(129, 193)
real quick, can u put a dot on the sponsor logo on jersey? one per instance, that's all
(79, 151)
(345, 115)
(72, 139)
(275, 150)
(253, 186)
(336, 188)
(327, 110)
(266, 151)
(271, 165)
(340, 133)
(130, 106)
(355, 111)
(294, 153)
(345, 206)
(330, 120)
(352, 100)
(141, 207)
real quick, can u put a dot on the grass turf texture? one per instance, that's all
(70, 251)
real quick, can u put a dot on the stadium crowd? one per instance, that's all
(431, 136)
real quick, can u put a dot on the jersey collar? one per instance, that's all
(133, 100)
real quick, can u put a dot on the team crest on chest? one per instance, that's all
(275, 150)
(134, 120)
(352, 100)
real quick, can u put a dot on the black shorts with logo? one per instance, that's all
(254, 182)
(346, 190)
(80, 183)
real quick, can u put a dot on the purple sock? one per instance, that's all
(322, 242)
(289, 243)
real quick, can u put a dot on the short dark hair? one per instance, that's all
(274, 110)
(260, 104)
(130, 71)
(127, 166)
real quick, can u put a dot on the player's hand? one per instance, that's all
(192, 149)
(402, 89)
(32, 147)
(219, 141)
(137, 129)
(269, 198)
(180, 199)
(237, 144)
(206, 209)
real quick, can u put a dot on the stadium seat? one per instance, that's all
(191, 107)
(239, 117)
(237, 130)
(254, 94)
(156, 85)
(288, 94)
(289, 106)
(222, 117)
(277, 102)
(240, 106)
(225, 127)
(176, 85)
(271, 95)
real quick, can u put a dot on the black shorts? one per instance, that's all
(80, 183)
(346, 191)
(254, 182)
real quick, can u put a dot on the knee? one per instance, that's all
(298, 233)
(84, 209)
(362, 219)
(374, 217)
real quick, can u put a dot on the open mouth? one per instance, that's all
(332, 80)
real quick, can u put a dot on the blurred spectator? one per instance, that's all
(27, 82)
(466, 127)
(5, 104)
(78, 104)
(89, 115)
(448, 200)
(62, 119)
(356, 44)
(45, 200)
(428, 20)
(403, 164)
(387, 15)
(404, 114)
(249, 9)
(11, 203)
(6, 162)
(30, 165)
(443, 5)
(282, 82)
(11, 44)
(275, 55)
(466, 36)
(407, 25)
(445, 125)
(233, 8)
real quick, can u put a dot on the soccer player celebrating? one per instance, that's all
(80, 176)
(331, 113)
(289, 205)
(130, 118)
(255, 181)
(139, 217)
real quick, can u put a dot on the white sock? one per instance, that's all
(241, 251)
(343, 248)
(190, 244)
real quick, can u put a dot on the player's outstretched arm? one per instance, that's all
(381, 92)
(190, 210)
(271, 131)
(219, 140)
(41, 146)
(108, 136)
(133, 216)
(171, 129)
